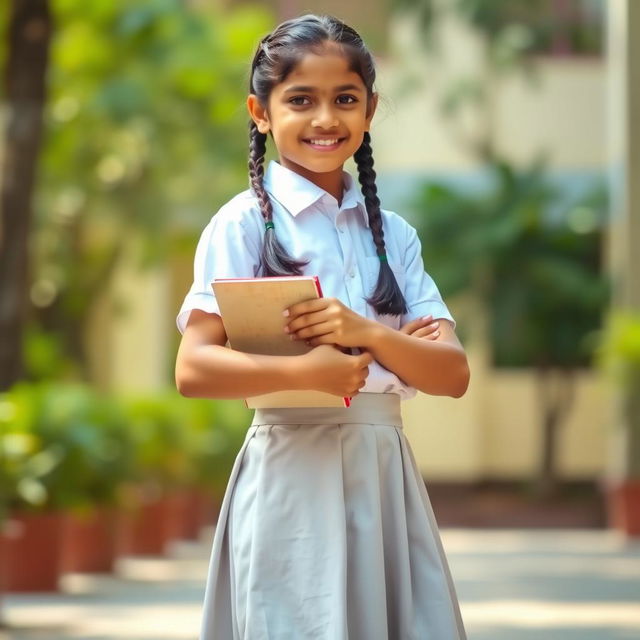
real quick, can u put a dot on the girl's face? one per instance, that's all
(317, 115)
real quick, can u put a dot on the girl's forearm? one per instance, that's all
(214, 371)
(434, 367)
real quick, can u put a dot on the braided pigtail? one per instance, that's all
(276, 56)
(275, 260)
(387, 297)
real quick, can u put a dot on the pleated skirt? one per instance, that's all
(326, 532)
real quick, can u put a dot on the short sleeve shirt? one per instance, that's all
(334, 240)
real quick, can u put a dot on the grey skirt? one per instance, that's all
(326, 532)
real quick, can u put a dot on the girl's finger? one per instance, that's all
(306, 307)
(427, 332)
(315, 330)
(305, 320)
(427, 335)
(413, 325)
(423, 331)
(314, 342)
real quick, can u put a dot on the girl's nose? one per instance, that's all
(325, 119)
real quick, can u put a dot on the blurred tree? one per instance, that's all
(539, 280)
(532, 261)
(28, 28)
(543, 27)
(144, 130)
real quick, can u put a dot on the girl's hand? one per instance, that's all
(328, 321)
(328, 369)
(424, 327)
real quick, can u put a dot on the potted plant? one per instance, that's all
(33, 523)
(217, 430)
(100, 450)
(619, 358)
(162, 466)
(33, 519)
(61, 456)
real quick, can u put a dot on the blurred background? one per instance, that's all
(507, 134)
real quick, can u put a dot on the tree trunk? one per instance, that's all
(29, 32)
(556, 394)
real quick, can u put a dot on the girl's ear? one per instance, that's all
(371, 109)
(258, 113)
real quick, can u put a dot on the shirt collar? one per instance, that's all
(295, 193)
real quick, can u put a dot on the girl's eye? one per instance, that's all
(343, 99)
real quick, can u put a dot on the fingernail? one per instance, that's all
(286, 329)
(436, 324)
(427, 317)
(285, 313)
(436, 333)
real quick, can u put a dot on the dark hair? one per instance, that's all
(277, 55)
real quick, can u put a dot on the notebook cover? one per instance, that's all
(251, 310)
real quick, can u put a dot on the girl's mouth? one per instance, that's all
(324, 144)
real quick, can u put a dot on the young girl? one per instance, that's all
(326, 530)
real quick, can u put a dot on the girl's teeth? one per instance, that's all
(326, 143)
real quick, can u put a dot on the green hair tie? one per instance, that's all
(383, 257)
(269, 225)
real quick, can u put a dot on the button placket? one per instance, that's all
(346, 245)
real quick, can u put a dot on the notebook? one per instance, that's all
(251, 310)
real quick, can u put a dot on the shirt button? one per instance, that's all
(340, 228)
(352, 274)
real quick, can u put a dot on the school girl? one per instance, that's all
(326, 531)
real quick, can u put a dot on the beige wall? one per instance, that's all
(563, 112)
(130, 335)
(494, 430)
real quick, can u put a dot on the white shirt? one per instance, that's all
(335, 240)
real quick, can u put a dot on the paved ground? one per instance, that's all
(512, 584)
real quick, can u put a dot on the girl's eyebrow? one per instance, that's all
(343, 87)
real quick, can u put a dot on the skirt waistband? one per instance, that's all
(366, 408)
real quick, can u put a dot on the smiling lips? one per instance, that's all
(324, 144)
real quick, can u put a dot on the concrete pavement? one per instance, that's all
(512, 585)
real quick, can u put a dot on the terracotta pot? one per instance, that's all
(89, 541)
(143, 529)
(623, 506)
(183, 511)
(208, 508)
(32, 550)
(4, 558)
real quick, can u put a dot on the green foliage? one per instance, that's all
(618, 350)
(184, 441)
(160, 439)
(217, 430)
(45, 358)
(145, 134)
(62, 446)
(66, 446)
(522, 27)
(618, 356)
(539, 279)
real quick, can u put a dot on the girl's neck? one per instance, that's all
(331, 181)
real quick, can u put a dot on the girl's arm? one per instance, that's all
(437, 367)
(205, 368)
